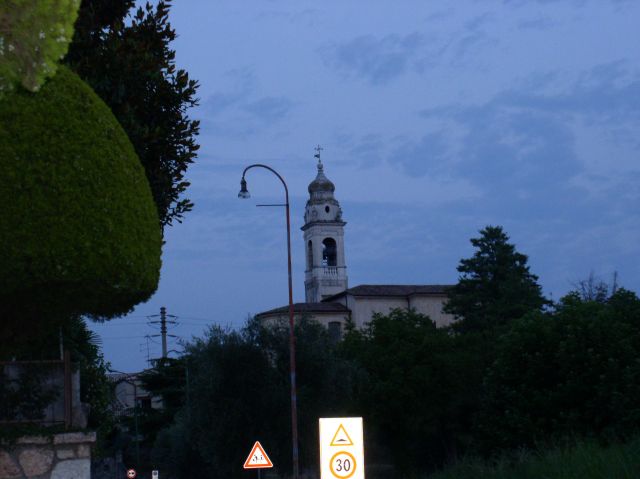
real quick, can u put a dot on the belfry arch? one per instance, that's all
(329, 252)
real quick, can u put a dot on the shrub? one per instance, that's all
(78, 230)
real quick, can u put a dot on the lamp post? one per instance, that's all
(126, 379)
(244, 194)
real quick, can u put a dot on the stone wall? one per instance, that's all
(61, 456)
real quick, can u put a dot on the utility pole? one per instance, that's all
(163, 327)
(163, 330)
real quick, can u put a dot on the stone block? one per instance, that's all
(36, 461)
(37, 440)
(74, 437)
(83, 450)
(72, 469)
(65, 453)
(8, 467)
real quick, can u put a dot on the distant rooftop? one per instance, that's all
(324, 307)
(393, 290)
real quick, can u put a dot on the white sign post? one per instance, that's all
(155, 475)
(341, 448)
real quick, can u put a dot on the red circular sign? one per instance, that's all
(131, 473)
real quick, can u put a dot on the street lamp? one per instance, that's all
(125, 379)
(244, 194)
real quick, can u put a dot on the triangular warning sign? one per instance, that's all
(341, 438)
(257, 459)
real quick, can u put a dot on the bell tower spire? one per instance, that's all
(326, 270)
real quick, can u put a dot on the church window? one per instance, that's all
(329, 252)
(309, 255)
(327, 209)
(335, 331)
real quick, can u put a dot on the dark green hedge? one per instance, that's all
(79, 230)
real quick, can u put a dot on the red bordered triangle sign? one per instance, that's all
(257, 459)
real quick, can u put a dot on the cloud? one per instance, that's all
(243, 83)
(269, 109)
(366, 150)
(425, 156)
(505, 154)
(219, 102)
(545, 153)
(235, 112)
(378, 60)
(606, 93)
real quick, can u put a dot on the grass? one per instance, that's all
(584, 460)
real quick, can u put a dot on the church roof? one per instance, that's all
(321, 182)
(393, 290)
(324, 307)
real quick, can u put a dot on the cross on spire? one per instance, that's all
(318, 150)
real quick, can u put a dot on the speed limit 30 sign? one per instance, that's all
(341, 448)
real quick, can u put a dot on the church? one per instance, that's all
(328, 297)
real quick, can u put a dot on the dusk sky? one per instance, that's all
(436, 118)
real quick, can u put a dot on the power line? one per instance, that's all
(198, 319)
(128, 323)
(121, 337)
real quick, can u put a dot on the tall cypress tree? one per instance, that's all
(495, 285)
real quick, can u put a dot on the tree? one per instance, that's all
(35, 34)
(79, 231)
(570, 372)
(594, 289)
(167, 381)
(495, 285)
(326, 381)
(235, 396)
(128, 61)
(419, 391)
(238, 392)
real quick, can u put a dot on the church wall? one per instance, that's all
(364, 307)
(326, 318)
(432, 307)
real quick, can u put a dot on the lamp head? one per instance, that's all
(244, 193)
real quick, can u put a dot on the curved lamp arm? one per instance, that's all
(244, 193)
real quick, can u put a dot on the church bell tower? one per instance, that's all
(326, 271)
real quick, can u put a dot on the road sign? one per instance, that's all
(341, 438)
(154, 475)
(257, 459)
(131, 473)
(341, 448)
